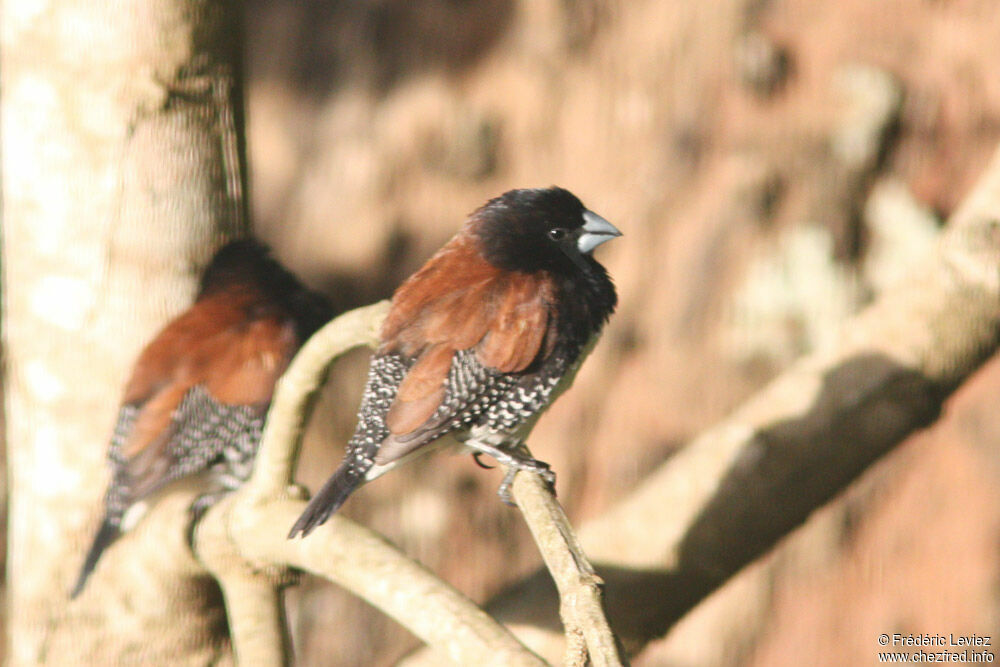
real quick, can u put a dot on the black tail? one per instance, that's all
(328, 500)
(108, 533)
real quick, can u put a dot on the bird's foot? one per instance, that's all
(527, 464)
(515, 459)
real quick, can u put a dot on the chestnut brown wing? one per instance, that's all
(458, 302)
(230, 366)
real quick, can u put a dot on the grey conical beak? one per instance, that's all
(596, 230)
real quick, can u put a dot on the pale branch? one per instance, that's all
(257, 624)
(235, 534)
(739, 487)
(253, 597)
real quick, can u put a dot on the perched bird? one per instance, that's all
(199, 392)
(480, 340)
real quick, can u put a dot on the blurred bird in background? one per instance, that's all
(480, 340)
(199, 392)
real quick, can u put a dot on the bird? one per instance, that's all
(479, 341)
(198, 393)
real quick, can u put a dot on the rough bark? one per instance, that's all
(120, 165)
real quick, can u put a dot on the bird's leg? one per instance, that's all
(515, 459)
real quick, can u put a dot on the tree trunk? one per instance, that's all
(120, 175)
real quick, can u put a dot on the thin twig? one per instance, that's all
(579, 586)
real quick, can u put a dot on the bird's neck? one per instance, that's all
(584, 305)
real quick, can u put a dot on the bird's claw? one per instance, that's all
(504, 490)
(475, 457)
(515, 457)
(516, 465)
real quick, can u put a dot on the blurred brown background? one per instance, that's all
(773, 165)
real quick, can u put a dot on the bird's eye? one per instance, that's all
(557, 233)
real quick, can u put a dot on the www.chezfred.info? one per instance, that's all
(921, 648)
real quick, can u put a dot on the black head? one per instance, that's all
(540, 229)
(247, 264)
(237, 263)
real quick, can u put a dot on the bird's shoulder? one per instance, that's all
(460, 301)
(224, 334)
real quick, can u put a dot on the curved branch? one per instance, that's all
(295, 395)
(253, 598)
(236, 533)
(250, 528)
